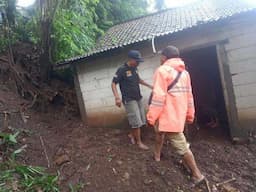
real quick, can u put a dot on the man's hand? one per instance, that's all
(149, 125)
(118, 102)
(189, 122)
(155, 126)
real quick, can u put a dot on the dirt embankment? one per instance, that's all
(102, 160)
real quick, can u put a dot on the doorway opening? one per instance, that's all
(207, 88)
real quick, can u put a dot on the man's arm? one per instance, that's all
(116, 95)
(145, 84)
(191, 107)
(116, 79)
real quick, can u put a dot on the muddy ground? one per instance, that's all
(102, 160)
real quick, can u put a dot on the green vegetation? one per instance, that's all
(18, 177)
(63, 28)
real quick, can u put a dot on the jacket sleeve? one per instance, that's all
(191, 107)
(158, 98)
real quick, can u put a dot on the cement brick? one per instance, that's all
(242, 66)
(109, 101)
(96, 84)
(94, 75)
(241, 28)
(97, 94)
(113, 109)
(95, 110)
(244, 78)
(246, 102)
(244, 40)
(242, 53)
(249, 113)
(147, 73)
(246, 90)
(151, 62)
(105, 83)
(89, 85)
(93, 104)
(97, 75)
(112, 70)
(219, 32)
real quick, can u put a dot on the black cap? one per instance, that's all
(134, 54)
(171, 52)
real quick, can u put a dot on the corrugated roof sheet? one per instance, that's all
(167, 22)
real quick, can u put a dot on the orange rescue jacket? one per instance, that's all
(174, 107)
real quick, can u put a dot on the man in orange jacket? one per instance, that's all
(172, 106)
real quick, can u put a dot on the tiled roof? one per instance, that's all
(167, 22)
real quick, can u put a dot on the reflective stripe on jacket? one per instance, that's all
(174, 107)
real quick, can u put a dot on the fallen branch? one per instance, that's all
(9, 112)
(45, 152)
(3, 59)
(33, 102)
(6, 119)
(23, 117)
(204, 182)
(208, 185)
(225, 182)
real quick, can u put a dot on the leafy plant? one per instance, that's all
(72, 36)
(8, 138)
(26, 178)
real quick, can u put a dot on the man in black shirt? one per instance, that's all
(128, 78)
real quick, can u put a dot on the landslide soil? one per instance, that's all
(103, 160)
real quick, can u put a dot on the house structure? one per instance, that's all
(217, 40)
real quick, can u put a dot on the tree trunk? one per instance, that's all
(45, 59)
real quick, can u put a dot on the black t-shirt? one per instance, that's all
(128, 79)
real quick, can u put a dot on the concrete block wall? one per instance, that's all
(241, 57)
(95, 82)
(95, 77)
(241, 52)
